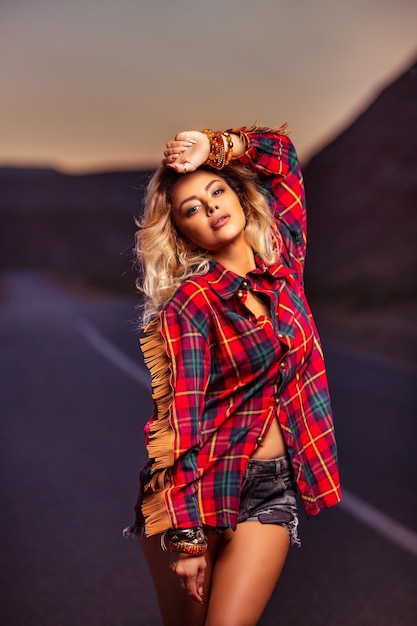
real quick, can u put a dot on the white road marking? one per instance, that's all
(113, 354)
(380, 522)
(361, 510)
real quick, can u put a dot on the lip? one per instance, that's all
(220, 220)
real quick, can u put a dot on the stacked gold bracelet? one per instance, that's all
(191, 541)
(219, 155)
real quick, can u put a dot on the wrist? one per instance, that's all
(205, 143)
(182, 556)
(190, 541)
(220, 148)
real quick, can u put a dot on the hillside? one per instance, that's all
(80, 228)
(362, 201)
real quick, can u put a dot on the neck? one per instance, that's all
(237, 258)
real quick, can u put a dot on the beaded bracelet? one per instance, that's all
(193, 549)
(218, 156)
(229, 152)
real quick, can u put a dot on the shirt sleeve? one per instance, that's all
(271, 154)
(189, 363)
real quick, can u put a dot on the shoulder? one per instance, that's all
(192, 291)
(191, 303)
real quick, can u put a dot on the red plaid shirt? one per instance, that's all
(231, 374)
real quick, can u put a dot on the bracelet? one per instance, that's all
(189, 541)
(188, 548)
(229, 152)
(192, 535)
(218, 156)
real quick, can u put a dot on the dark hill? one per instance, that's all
(362, 202)
(75, 226)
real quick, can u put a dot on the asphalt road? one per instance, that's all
(74, 399)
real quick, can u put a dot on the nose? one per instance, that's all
(211, 208)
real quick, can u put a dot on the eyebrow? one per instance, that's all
(207, 187)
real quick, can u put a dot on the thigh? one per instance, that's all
(248, 566)
(176, 608)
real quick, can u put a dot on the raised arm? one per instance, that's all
(271, 154)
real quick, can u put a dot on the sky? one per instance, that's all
(90, 85)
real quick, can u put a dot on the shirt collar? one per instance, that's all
(225, 282)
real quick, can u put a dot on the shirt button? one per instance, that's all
(282, 364)
(276, 400)
(239, 293)
(244, 284)
(280, 335)
(259, 440)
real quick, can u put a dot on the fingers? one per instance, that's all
(180, 142)
(190, 148)
(169, 160)
(200, 584)
(174, 149)
(179, 163)
(180, 167)
(176, 157)
(191, 590)
(179, 145)
(189, 574)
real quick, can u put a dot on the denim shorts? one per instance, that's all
(268, 495)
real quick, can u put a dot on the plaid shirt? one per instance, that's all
(231, 374)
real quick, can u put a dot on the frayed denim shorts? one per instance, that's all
(268, 495)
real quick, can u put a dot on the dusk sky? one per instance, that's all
(93, 85)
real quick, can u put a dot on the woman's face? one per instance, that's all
(207, 211)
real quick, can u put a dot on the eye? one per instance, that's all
(218, 191)
(191, 210)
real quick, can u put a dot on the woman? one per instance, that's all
(242, 413)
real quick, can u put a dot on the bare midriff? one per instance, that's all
(272, 445)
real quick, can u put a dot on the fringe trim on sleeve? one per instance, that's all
(254, 128)
(161, 436)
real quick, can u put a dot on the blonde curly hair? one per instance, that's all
(165, 259)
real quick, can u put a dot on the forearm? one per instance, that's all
(272, 156)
